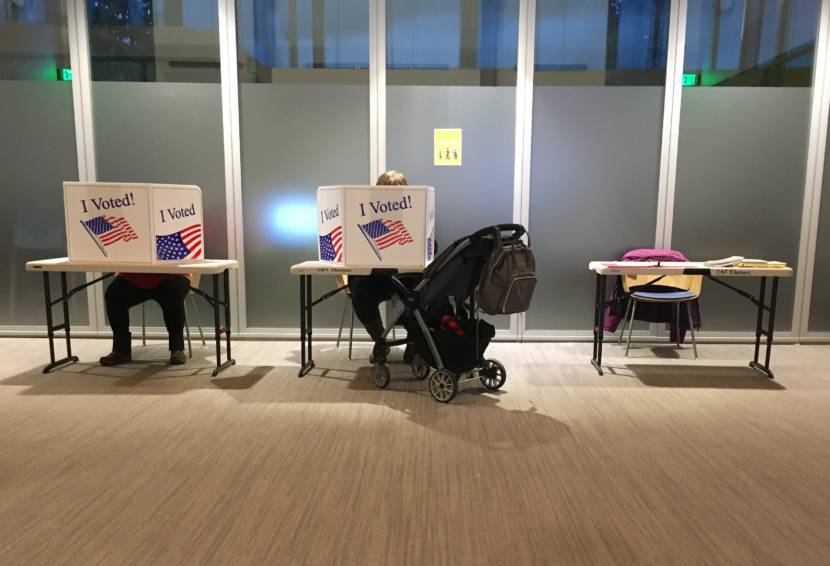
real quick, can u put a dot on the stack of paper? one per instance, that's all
(725, 262)
(760, 263)
(740, 261)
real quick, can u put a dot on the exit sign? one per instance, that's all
(689, 79)
(65, 73)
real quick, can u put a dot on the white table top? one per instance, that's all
(327, 268)
(204, 267)
(683, 268)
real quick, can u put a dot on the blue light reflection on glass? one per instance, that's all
(292, 219)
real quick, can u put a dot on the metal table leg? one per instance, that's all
(306, 359)
(770, 329)
(217, 328)
(51, 327)
(599, 322)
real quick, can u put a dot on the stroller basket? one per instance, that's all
(460, 350)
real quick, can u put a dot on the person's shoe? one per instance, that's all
(114, 358)
(379, 352)
(177, 358)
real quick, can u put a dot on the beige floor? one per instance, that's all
(660, 461)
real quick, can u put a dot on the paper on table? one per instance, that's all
(727, 261)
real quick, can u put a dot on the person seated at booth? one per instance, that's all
(131, 289)
(369, 291)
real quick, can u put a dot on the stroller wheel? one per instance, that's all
(420, 367)
(492, 375)
(381, 375)
(443, 386)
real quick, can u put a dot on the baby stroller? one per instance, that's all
(441, 317)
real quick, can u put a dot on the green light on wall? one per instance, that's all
(689, 79)
(65, 73)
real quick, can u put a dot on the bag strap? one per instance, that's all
(497, 235)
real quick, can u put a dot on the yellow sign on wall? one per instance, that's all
(447, 146)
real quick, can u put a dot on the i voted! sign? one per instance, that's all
(133, 222)
(378, 226)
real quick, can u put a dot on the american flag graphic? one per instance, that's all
(184, 244)
(106, 230)
(331, 245)
(384, 233)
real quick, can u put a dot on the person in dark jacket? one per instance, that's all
(130, 289)
(369, 291)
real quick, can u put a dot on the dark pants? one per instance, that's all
(368, 291)
(170, 294)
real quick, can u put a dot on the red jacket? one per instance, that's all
(149, 280)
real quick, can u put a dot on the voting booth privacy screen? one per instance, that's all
(374, 226)
(133, 222)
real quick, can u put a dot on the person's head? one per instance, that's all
(391, 177)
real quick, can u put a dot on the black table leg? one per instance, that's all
(306, 359)
(770, 329)
(599, 322)
(51, 327)
(226, 303)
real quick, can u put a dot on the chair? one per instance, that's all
(683, 289)
(189, 298)
(343, 281)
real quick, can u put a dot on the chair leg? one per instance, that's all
(342, 321)
(351, 332)
(691, 327)
(630, 327)
(624, 320)
(187, 332)
(143, 326)
(198, 320)
(677, 326)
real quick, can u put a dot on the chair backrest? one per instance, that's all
(195, 278)
(692, 283)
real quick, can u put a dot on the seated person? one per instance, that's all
(130, 289)
(368, 291)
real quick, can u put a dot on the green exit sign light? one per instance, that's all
(65, 73)
(689, 79)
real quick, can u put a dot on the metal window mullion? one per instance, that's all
(79, 62)
(671, 123)
(816, 148)
(233, 160)
(672, 97)
(377, 88)
(524, 129)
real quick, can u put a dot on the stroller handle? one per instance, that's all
(517, 230)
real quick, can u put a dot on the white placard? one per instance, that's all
(376, 225)
(177, 223)
(133, 222)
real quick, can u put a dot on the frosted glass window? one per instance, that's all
(465, 80)
(304, 103)
(597, 121)
(156, 106)
(38, 155)
(742, 151)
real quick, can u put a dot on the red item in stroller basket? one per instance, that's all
(449, 322)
